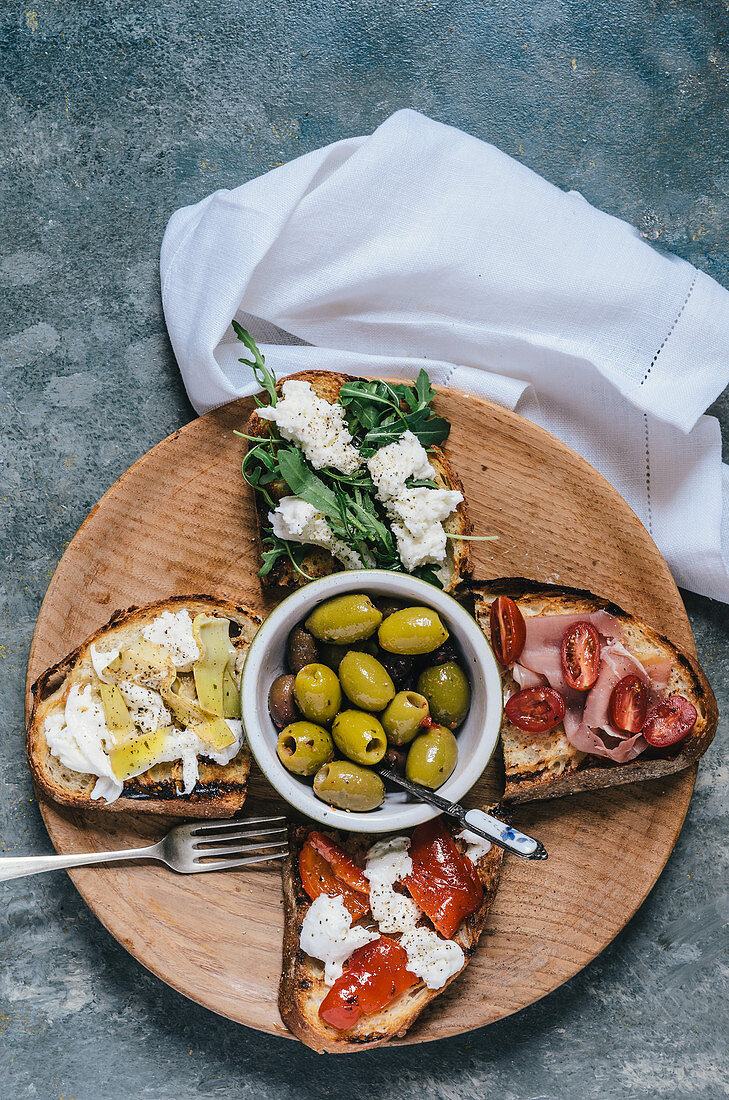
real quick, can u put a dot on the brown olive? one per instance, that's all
(301, 649)
(281, 704)
(387, 606)
(398, 665)
(396, 758)
(445, 652)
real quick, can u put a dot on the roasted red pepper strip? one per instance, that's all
(326, 869)
(443, 882)
(374, 975)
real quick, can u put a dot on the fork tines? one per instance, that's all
(238, 843)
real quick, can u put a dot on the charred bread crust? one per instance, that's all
(592, 772)
(220, 790)
(301, 990)
(320, 563)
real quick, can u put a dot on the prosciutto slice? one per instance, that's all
(586, 721)
(542, 652)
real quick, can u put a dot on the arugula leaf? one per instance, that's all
(375, 416)
(428, 428)
(265, 378)
(428, 573)
(304, 483)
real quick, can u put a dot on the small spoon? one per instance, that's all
(483, 824)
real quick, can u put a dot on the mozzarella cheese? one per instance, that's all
(318, 427)
(416, 515)
(393, 465)
(297, 521)
(148, 711)
(476, 846)
(327, 934)
(78, 738)
(388, 861)
(101, 661)
(173, 629)
(431, 958)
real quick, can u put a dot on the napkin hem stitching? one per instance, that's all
(649, 511)
(668, 334)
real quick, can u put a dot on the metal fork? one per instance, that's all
(186, 848)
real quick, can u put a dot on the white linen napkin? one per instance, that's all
(422, 246)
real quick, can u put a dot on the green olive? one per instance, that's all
(350, 618)
(349, 786)
(303, 747)
(448, 693)
(432, 757)
(404, 717)
(359, 736)
(364, 681)
(412, 630)
(332, 654)
(317, 693)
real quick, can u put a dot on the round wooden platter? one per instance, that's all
(181, 520)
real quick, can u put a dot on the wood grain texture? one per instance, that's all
(180, 520)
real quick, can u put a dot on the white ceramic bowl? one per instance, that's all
(265, 661)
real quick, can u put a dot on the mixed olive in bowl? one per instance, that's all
(397, 672)
(369, 678)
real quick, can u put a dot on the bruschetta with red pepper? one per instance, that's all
(594, 697)
(376, 928)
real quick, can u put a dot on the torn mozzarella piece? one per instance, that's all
(78, 737)
(476, 846)
(431, 958)
(327, 934)
(317, 426)
(101, 659)
(173, 630)
(148, 710)
(294, 520)
(393, 465)
(388, 861)
(416, 515)
(416, 521)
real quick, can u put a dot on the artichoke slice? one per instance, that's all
(144, 663)
(187, 711)
(214, 671)
(137, 754)
(215, 732)
(116, 712)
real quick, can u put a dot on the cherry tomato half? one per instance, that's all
(443, 881)
(374, 975)
(669, 721)
(326, 869)
(581, 655)
(629, 704)
(508, 630)
(535, 710)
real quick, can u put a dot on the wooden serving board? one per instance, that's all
(181, 521)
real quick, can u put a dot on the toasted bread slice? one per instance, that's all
(319, 562)
(302, 987)
(220, 790)
(548, 766)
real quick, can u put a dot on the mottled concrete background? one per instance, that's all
(113, 115)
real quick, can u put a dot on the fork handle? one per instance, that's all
(20, 866)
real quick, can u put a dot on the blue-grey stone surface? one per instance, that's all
(113, 115)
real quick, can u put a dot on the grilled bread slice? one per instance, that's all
(319, 562)
(220, 790)
(302, 987)
(547, 765)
